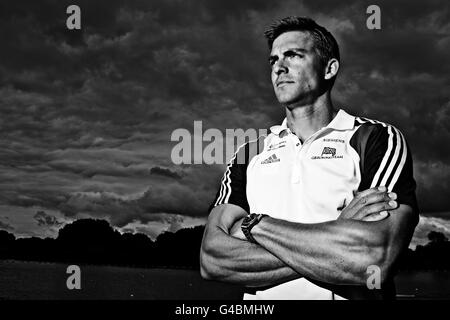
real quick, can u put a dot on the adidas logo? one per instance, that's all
(271, 159)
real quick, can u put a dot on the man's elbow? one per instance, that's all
(392, 246)
(209, 265)
(379, 264)
(370, 261)
(367, 266)
(206, 268)
(205, 272)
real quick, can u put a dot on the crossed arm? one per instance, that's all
(227, 258)
(334, 252)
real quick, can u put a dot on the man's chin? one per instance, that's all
(293, 102)
(290, 103)
(285, 100)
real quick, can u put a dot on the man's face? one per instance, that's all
(297, 75)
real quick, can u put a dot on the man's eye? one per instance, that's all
(294, 55)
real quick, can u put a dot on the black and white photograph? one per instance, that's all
(210, 150)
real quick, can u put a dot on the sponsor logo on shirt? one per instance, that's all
(277, 145)
(327, 153)
(271, 159)
(333, 140)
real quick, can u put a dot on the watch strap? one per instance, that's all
(249, 222)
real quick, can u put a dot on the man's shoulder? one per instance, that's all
(364, 123)
(371, 132)
(367, 127)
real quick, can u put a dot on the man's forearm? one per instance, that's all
(229, 259)
(337, 252)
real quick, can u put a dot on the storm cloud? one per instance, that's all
(44, 219)
(6, 226)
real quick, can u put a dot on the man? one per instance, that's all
(328, 196)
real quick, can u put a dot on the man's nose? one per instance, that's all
(280, 67)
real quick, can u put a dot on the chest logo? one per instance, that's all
(327, 153)
(328, 150)
(273, 158)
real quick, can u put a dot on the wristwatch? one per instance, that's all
(249, 222)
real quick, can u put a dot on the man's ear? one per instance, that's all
(332, 69)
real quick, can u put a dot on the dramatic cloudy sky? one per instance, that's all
(86, 116)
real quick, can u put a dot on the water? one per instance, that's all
(423, 285)
(34, 280)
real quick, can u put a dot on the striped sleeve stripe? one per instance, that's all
(395, 155)
(387, 156)
(401, 164)
(228, 183)
(225, 189)
(359, 120)
(394, 159)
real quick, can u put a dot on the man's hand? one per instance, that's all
(370, 205)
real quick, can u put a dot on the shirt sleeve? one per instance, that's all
(386, 161)
(233, 184)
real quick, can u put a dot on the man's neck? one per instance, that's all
(306, 119)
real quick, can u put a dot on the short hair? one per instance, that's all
(325, 44)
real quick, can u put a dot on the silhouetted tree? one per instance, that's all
(181, 248)
(435, 236)
(6, 237)
(6, 242)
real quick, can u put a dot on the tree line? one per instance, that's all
(89, 241)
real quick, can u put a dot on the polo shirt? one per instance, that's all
(311, 182)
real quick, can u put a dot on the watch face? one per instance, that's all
(249, 220)
(246, 221)
(247, 224)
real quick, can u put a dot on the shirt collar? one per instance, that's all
(342, 121)
(278, 129)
